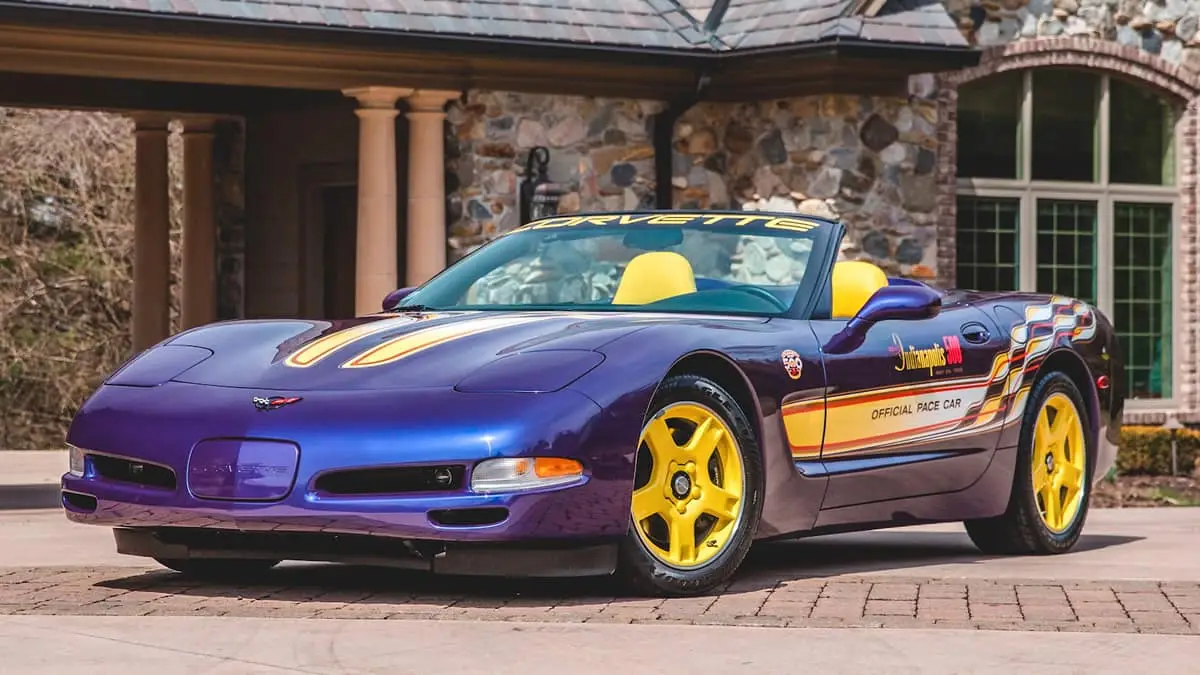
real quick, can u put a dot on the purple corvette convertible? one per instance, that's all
(643, 394)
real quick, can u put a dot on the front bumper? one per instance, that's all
(139, 478)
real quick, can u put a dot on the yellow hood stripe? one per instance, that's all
(423, 338)
(324, 346)
(399, 347)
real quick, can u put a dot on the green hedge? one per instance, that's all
(1147, 451)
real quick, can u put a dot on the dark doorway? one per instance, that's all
(339, 217)
(329, 225)
(328, 221)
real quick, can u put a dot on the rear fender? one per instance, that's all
(1066, 335)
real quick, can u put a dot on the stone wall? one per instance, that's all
(1167, 28)
(600, 152)
(867, 160)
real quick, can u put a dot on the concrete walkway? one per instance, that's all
(215, 646)
(32, 467)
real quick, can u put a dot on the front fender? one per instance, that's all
(624, 384)
(634, 366)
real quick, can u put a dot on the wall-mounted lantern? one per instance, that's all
(539, 195)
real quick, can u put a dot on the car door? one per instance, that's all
(915, 409)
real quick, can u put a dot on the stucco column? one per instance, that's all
(151, 230)
(199, 225)
(426, 222)
(375, 255)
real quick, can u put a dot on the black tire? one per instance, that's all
(223, 569)
(1020, 530)
(642, 571)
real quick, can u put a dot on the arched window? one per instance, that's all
(1066, 184)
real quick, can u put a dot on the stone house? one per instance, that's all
(336, 149)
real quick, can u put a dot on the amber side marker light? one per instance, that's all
(511, 474)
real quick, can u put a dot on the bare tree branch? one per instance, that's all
(66, 252)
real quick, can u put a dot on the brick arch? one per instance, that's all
(1103, 56)
(1083, 52)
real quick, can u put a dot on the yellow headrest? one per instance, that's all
(854, 282)
(653, 276)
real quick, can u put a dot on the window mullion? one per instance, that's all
(1027, 259)
(1104, 254)
(1027, 251)
(1104, 224)
(1026, 128)
(1103, 124)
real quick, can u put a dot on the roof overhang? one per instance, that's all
(88, 42)
(835, 66)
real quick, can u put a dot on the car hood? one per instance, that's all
(524, 351)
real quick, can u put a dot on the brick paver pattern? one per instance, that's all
(838, 601)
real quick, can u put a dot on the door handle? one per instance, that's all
(975, 333)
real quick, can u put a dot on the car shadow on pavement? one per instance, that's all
(879, 551)
(767, 565)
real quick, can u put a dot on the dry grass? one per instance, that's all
(66, 253)
(1135, 491)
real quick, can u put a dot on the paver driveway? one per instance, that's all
(1135, 571)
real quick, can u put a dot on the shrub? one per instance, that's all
(1147, 451)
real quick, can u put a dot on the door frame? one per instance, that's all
(312, 180)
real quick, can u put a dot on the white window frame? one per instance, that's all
(1105, 194)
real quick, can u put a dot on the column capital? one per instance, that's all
(430, 100)
(151, 122)
(194, 124)
(378, 98)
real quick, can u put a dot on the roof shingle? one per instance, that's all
(764, 23)
(647, 24)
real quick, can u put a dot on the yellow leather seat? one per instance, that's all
(653, 276)
(854, 282)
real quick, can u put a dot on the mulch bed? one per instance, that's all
(1142, 491)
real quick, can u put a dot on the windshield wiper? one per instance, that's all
(413, 308)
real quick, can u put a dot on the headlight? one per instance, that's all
(510, 474)
(75, 461)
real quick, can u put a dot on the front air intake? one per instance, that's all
(391, 480)
(133, 471)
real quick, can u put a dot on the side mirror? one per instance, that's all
(890, 303)
(392, 299)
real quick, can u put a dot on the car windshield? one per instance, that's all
(739, 263)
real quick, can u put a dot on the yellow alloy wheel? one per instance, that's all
(1058, 463)
(688, 511)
